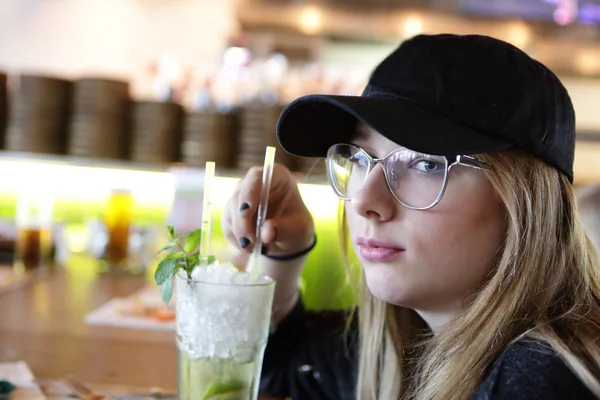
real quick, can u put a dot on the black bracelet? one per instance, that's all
(288, 257)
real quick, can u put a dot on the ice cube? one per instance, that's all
(214, 273)
(242, 278)
(221, 311)
(225, 273)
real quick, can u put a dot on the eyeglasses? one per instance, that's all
(416, 180)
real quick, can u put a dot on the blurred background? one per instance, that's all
(109, 110)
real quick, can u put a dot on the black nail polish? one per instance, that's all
(244, 206)
(264, 250)
(244, 242)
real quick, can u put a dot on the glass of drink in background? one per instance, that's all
(118, 219)
(223, 319)
(33, 247)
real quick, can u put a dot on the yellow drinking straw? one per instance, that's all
(252, 266)
(209, 177)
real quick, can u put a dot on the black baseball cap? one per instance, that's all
(445, 94)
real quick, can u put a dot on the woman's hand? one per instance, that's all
(289, 226)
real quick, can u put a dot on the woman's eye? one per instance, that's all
(359, 160)
(427, 166)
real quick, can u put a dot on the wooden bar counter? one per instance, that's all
(42, 323)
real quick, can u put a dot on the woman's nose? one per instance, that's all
(374, 199)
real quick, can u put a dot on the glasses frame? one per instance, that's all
(451, 161)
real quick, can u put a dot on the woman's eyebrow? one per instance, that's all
(365, 146)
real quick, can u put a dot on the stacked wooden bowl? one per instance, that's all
(257, 131)
(3, 106)
(156, 131)
(210, 136)
(99, 122)
(38, 115)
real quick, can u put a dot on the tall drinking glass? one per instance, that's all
(34, 233)
(222, 331)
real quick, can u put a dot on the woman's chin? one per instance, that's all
(389, 286)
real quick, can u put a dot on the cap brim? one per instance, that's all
(308, 126)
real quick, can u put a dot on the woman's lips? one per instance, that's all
(378, 254)
(377, 250)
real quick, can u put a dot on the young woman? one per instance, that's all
(478, 281)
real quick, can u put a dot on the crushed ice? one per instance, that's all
(216, 319)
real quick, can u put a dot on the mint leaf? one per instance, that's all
(178, 254)
(166, 269)
(182, 259)
(193, 259)
(182, 236)
(191, 262)
(192, 241)
(167, 290)
(167, 247)
(177, 241)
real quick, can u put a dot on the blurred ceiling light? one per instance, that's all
(566, 12)
(519, 35)
(236, 56)
(168, 66)
(276, 65)
(311, 20)
(412, 26)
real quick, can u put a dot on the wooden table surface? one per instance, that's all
(43, 324)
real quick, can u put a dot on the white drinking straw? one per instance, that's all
(252, 266)
(209, 177)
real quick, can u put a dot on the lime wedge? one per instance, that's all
(226, 390)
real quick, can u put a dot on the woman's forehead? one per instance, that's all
(362, 132)
(365, 135)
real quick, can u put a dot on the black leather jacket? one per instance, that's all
(312, 356)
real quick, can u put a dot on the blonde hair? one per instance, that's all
(588, 200)
(545, 286)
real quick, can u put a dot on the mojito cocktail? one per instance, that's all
(223, 319)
